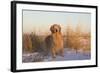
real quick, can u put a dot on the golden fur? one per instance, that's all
(56, 40)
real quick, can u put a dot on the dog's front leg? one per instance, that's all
(62, 52)
(53, 53)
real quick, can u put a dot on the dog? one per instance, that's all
(55, 41)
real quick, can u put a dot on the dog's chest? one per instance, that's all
(57, 38)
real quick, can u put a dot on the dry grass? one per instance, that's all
(33, 43)
(27, 43)
(74, 39)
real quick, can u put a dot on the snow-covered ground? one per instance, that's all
(68, 55)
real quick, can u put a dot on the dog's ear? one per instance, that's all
(51, 28)
(59, 28)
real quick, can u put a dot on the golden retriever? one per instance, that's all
(55, 40)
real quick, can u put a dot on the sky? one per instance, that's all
(40, 21)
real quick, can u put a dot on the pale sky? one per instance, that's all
(40, 21)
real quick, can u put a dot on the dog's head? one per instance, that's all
(55, 28)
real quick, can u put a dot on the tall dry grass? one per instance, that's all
(33, 43)
(76, 39)
(27, 43)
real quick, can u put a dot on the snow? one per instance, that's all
(68, 55)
